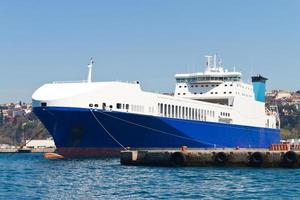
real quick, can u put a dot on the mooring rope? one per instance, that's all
(22, 145)
(107, 131)
(160, 131)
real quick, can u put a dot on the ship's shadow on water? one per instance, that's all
(30, 176)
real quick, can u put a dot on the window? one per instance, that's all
(169, 110)
(90, 105)
(192, 86)
(165, 109)
(211, 93)
(216, 92)
(225, 85)
(206, 85)
(185, 86)
(44, 104)
(186, 112)
(224, 92)
(183, 93)
(119, 106)
(160, 108)
(104, 106)
(127, 106)
(230, 92)
(176, 111)
(179, 86)
(96, 105)
(110, 106)
(183, 113)
(195, 92)
(179, 111)
(178, 94)
(172, 110)
(192, 114)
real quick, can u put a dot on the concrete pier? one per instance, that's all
(212, 157)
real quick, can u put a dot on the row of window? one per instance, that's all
(199, 86)
(225, 114)
(104, 107)
(168, 110)
(206, 85)
(122, 106)
(183, 112)
(202, 93)
(235, 78)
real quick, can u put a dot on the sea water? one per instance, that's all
(30, 176)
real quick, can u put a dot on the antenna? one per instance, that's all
(208, 61)
(215, 60)
(90, 66)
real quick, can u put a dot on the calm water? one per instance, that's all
(30, 176)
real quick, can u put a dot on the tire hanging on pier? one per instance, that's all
(178, 159)
(290, 158)
(220, 158)
(256, 159)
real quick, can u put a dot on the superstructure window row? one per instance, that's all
(184, 112)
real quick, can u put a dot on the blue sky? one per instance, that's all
(145, 40)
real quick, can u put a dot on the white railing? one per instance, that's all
(80, 81)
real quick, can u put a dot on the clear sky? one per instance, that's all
(145, 40)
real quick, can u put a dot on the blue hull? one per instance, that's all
(82, 128)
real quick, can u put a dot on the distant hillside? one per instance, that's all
(289, 121)
(27, 125)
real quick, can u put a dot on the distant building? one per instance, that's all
(297, 104)
(283, 95)
(33, 144)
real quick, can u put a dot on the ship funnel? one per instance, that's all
(259, 87)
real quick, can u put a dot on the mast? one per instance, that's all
(90, 66)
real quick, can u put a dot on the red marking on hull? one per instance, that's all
(88, 152)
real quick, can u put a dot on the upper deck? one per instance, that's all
(214, 73)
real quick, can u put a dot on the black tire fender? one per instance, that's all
(256, 159)
(178, 159)
(221, 158)
(290, 158)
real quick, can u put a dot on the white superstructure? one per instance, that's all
(215, 95)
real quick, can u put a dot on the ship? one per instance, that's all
(214, 108)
